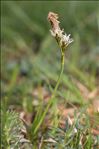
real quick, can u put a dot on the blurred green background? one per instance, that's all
(30, 56)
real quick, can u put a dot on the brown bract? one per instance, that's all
(53, 19)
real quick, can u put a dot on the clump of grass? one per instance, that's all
(72, 136)
(12, 129)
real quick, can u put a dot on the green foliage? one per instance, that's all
(72, 136)
(11, 131)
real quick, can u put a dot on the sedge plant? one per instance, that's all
(63, 40)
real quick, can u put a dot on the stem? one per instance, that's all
(59, 78)
(53, 95)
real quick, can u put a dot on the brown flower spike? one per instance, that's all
(62, 38)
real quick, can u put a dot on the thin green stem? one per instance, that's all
(53, 95)
(59, 79)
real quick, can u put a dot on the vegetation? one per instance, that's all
(30, 64)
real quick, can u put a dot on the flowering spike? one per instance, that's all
(62, 38)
